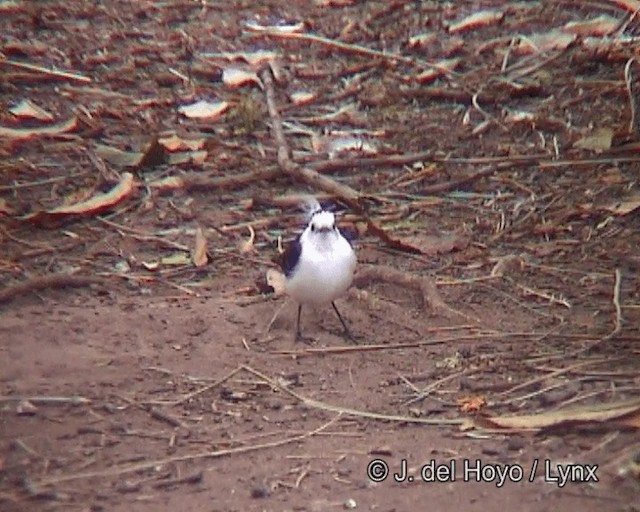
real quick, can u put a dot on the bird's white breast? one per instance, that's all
(325, 268)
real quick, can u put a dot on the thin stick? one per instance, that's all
(215, 384)
(616, 304)
(132, 468)
(74, 400)
(628, 79)
(315, 404)
(45, 71)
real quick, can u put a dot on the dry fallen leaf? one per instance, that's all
(277, 281)
(553, 40)
(625, 207)
(476, 20)
(235, 77)
(614, 414)
(28, 110)
(439, 68)
(199, 254)
(471, 403)
(283, 28)
(599, 140)
(52, 129)
(174, 143)
(600, 26)
(92, 206)
(247, 246)
(204, 109)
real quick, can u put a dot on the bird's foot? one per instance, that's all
(309, 340)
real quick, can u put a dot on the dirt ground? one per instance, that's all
(489, 167)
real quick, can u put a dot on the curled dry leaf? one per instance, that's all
(554, 40)
(277, 281)
(236, 77)
(600, 26)
(476, 20)
(92, 206)
(283, 28)
(598, 415)
(174, 143)
(301, 97)
(440, 68)
(624, 207)
(423, 40)
(204, 109)
(199, 255)
(28, 110)
(248, 245)
(52, 129)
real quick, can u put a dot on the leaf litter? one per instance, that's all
(516, 124)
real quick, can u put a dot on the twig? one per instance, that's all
(73, 400)
(149, 464)
(616, 304)
(352, 48)
(628, 79)
(315, 404)
(213, 385)
(44, 282)
(45, 71)
(193, 478)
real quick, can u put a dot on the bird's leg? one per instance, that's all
(299, 336)
(347, 333)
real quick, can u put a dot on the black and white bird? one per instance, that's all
(319, 265)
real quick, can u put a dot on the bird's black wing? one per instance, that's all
(351, 235)
(291, 257)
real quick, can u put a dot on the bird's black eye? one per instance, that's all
(313, 227)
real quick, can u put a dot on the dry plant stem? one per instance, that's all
(352, 48)
(44, 71)
(628, 79)
(616, 305)
(195, 182)
(132, 468)
(53, 281)
(556, 373)
(315, 404)
(381, 161)
(213, 385)
(425, 285)
(73, 400)
(312, 178)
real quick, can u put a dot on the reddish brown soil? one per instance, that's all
(155, 425)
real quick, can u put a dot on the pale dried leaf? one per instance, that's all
(440, 68)
(599, 414)
(174, 143)
(178, 259)
(204, 109)
(301, 97)
(476, 20)
(26, 109)
(188, 157)
(283, 28)
(118, 157)
(199, 254)
(92, 206)
(248, 245)
(541, 43)
(277, 281)
(600, 26)
(26, 133)
(420, 41)
(625, 207)
(599, 140)
(334, 3)
(235, 77)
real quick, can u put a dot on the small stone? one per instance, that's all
(350, 504)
